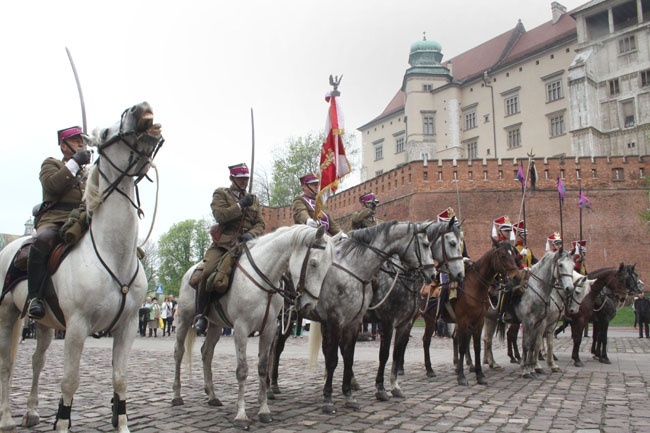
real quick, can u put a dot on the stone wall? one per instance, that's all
(487, 189)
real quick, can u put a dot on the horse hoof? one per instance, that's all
(352, 404)
(462, 381)
(539, 371)
(354, 385)
(528, 376)
(431, 373)
(382, 396)
(472, 369)
(328, 409)
(397, 393)
(215, 402)
(400, 372)
(270, 394)
(265, 418)
(605, 361)
(276, 389)
(578, 363)
(29, 420)
(496, 367)
(178, 401)
(481, 381)
(556, 369)
(242, 425)
(595, 358)
(513, 361)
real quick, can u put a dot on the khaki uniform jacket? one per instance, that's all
(363, 219)
(302, 211)
(60, 186)
(233, 220)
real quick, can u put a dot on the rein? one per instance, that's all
(121, 137)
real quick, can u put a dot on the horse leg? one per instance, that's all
(122, 342)
(604, 327)
(241, 340)
(539, 347)
(594, 340)
(9, 335)
(513, 347)
(212, 337)
(330, 353)
(75, 337)
(386, 334)
(550, 356)
(468, 357)
(266, 340)
(529, 355)
(429, 327)
(183, 329)
(489, 327)
(277, 347)
(461, 340)
(399, 350)
(348, 342)
(576, 335)
(478, 368)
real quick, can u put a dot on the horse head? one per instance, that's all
(308, 265)
(447, 248)
(130, 145)
(420, 257)
(503, 259)
(581, 288)
(629, 278)
(564, 268)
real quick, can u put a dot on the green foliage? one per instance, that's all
(180, 248)
(296, 158)
(624, 317)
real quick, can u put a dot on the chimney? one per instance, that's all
(558, 10)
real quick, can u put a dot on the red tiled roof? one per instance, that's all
(543, 36)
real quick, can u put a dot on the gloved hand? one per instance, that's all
(523, 252)
(466, 260)
(312, 223)
(245, 237)
(81, 157)
(344, 235)
(246, 200)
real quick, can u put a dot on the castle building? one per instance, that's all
(577, 85)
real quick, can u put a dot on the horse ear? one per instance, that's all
(621, 267)
(320, 233)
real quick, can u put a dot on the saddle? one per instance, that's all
(220, 280)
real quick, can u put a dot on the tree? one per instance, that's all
(150, 262)
(180, 248)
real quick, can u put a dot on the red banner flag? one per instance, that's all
(334, 164)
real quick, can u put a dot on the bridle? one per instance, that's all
(443, 264)
(135, 157)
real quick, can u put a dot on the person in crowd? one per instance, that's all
(502, 229)
(63, 184)
(554, 242)
(167, 314)
(143, 313)
(239, 215)
(524, 253)
(642, 309)
(154, 315)
(579, 251)
(365, 217)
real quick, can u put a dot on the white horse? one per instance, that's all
(253, 303)
(554, 269)
(101, 283)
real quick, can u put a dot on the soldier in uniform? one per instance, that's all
(239, 216)
(63, 182)
(365, 217)
(579, 251)
(524, 253)
(502, 229)
(303, 206)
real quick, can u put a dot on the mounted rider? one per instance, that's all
(579, 252)
(303, 206)
(502, 229)
(365, 217)
(239, 218)
(524, 253)
(554, 242)
(63, 182)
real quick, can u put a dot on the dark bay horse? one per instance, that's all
(395, 301)
(599, 306)
(468, 310)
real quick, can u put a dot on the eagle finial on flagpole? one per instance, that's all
(334, 82)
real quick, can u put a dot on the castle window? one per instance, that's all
(645, 78)
(514, 137)
(556, 124)
(472, 150)
(427, 88)
(626, 44)
(470, 120)
(627, 108)
(399, 143)
(428, 124)
(554, 91)
(379, 151)
(512, 105)
(614, 88)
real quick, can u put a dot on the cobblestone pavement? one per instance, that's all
(595, 398)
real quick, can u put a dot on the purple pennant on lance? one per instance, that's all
(520, 175)
(560, 189)
(584, 201)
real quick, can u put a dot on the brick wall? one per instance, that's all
(487, 189)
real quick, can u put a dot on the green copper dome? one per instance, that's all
(425, 58)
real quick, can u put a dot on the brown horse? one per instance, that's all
(469, 308)
(612, 285)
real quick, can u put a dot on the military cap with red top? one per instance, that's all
(364, 198)
(582, 244)
(73, 131)
(239, 170)
(554, 240)
(520, 228)
(446, 215)
(502, 224)
(309, 178)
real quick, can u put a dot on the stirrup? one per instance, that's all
(201, 323)
(36, 309)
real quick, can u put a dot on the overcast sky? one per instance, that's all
(203, 65)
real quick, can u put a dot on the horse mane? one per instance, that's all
(92, 197)
(433, 229)
(364, 237)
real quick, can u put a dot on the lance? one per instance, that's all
(81, 95)
(524, 185)
(559, 196)
(580, 183)
(250, 182)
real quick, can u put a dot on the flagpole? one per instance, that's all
(559, 196)
(579, 205)
(250, 182)
(458, 200)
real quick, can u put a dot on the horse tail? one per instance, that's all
(315, 340)
(501, 330)
(189, 344)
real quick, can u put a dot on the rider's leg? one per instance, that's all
(37, 272)
(210, 261)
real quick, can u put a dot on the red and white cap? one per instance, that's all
(364, 198)
(309, 178)
(582, 245)
(520, 228)
(502, 224)
(239, 170)
(446, 215)
(554, 240)
(66, 133)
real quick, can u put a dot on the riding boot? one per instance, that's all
(201, 322)
(37, 274)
